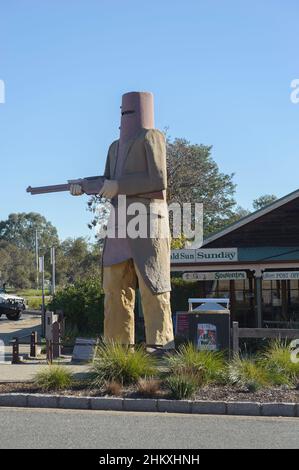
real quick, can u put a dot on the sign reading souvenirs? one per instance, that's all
(219, 276)
(284, 275)
(204, 255)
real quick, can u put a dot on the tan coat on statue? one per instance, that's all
(144, 171)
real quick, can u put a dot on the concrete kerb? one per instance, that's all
(245, 408)
(148, 405)
(279, 409)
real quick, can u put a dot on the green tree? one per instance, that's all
(238, 214)
(76, 260)
(16, 265)
(193, 176)
(263, 201)
(20, 229)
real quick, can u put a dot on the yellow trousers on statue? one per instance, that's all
(120, 282)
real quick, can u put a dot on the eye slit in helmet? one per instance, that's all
(128, 112)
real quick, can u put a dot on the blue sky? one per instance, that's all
(220, 72)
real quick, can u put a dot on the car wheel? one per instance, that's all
(14, 316)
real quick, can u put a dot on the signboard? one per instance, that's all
(210, 331)
(281, 275)
(182, 324)
(218, 276)
(205, 255)
(183, 256)
(84, 350)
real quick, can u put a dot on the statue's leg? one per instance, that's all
(119, 285)
(157, 315)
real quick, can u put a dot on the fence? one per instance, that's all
(16, 346)
(50, 344)
(274, 333)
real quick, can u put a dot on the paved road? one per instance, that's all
(70, 429)
(9, 329)
(25, 372)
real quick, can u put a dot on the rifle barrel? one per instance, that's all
(48, 189)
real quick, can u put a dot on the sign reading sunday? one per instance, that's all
(204, 255)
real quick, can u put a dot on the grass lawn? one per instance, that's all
(33, 297)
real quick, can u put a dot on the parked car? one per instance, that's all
(11, 305)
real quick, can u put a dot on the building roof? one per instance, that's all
(276, 224)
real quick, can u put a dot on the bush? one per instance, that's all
(70, 334)
(54, 378)
(182, 386)
(113, 388)
(248, 373)
(277, 361)
(208, 366)
(148, 387)
(121, 364)
(83, 306)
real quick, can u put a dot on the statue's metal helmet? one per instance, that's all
(137, 112)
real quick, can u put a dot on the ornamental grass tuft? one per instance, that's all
(207, 366)
(248, 373)
(277, 361)
(182, 386)
(54, 377)
(118, 363)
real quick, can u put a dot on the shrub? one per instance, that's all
(82, 304)
(54, 378)
(70, 334)
(277, 361)
(182, 386)
(122, 364)
(113, 388)
(248, 373)
(208, 366)
(148, 387)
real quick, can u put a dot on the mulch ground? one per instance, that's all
(208, 393)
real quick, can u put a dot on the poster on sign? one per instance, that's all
(206, 337)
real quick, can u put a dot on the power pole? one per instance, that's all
(42, 271)
(53, 263)
(37, 259)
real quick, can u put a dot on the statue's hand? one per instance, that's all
(76, 189)
(109, 189)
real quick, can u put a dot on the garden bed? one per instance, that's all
(206, 393)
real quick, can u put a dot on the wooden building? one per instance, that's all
(254, 262)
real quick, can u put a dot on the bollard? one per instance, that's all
(15, 351)
(49, 350)
(33, 341)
